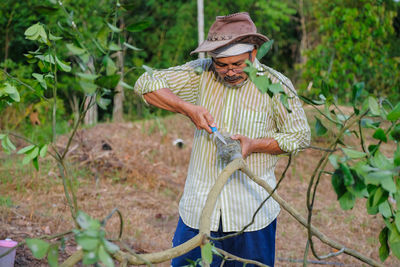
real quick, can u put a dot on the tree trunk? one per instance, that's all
(7, 39)
(118, 108)
(200, 23)
(303, 43)
(91, 114)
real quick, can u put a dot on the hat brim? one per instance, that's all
(253, 38)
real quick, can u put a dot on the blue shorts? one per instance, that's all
(256, 245)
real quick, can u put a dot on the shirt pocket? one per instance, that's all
(251, 123)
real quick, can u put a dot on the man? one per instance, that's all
(222, 95)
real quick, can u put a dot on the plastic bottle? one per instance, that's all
(229, 151)
(5, 245)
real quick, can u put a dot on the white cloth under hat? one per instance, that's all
(231, 50)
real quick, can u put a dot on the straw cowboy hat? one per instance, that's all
(234, 28)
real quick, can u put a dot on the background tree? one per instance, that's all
(353, 41)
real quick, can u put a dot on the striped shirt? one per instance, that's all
(242, 110)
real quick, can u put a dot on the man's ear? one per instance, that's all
(253, 54)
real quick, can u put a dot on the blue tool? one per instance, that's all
(220, 137)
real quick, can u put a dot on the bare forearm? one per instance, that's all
(266, 145)
(259, 145)
(165, 99)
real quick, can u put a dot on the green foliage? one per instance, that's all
(91, 237)
(370, 173)
(353, 44)
(40, 249)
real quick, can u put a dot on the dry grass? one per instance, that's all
(143, 176)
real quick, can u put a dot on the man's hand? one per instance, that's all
(199, 115)
(165, 99)
(263, 145)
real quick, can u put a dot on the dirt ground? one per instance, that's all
(136, 168)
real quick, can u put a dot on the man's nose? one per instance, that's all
(230, 72)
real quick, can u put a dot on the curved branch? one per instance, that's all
(245, 261)
(205, 222)
(303, 221)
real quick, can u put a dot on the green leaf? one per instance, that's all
(333, 159)
(275, 88)
(384, 209)
(125, 85)
(113, 28)
(397, 221)
(353, 154)
(380, 161)
(110, 247)
(311, 101)
(347, 201)
(250, 70)
(105, 257)
(52, 256)
(394, 114)
(285, 103)
(320, 129)
(40, 79)
(87, 76)
(9, 144)
(10, 91)
(83, 220)
(198, 70)
(384, 248)
(2, 136)
(148, 69)
(35, 162)
(111, 68)
(264, 48)
(325, 89)
(373, 106)
(32, 30)
(87, 243)
(206, 253)
(90, 257)
(394, 242)
(380, 135)
(357, 91)
(30, 155)
(388, 184)
(379, 196)
(396, 158)
(54, 38)
(88, 87)
(43, 151)
(75, 50)
(38, 247)
(368, 123)
(348, 178)
(110, 81)
(139, 26)
(338, 183)
(114, 47)
(63, 65)
(395, 133)
(132, 47)
(262, 83)
(102, 102)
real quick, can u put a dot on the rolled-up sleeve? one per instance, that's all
(293, 130)
(182, 80)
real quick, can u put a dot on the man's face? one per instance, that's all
(230, 69)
